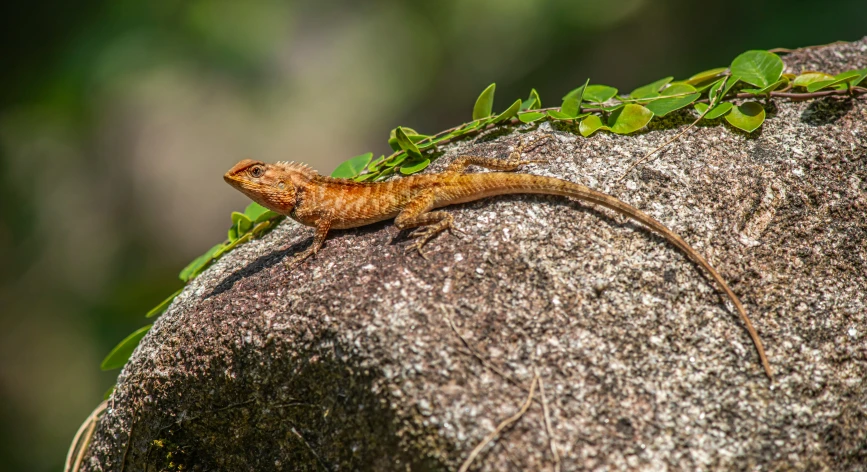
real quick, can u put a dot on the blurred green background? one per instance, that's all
(118, 119)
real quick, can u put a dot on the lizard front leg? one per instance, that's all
(514, 160)
(416, 215)
(323, 224)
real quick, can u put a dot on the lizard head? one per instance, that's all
(270, 185)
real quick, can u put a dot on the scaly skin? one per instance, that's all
(326, 203)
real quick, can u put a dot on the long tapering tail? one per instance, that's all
(502, 183)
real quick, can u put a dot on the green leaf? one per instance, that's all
(233, 233)
(530, 117)
(163, 305)
(242, 222)
(665, 106)
(109, 392)
(409, 132)
(852, 76)
(599, 93)
(747, 116)
(715, 112)
(405, 143)
(705, 76)
(374, 166)
(559, 115)
(706, 85)
(532, 102)
(759, 68)
(485, 103)
(352, 167)
(254, 211)
(366, 177)
(650, 90)
(630, 118)
(121, 353)
(770, 88)
(509, 113)
(199, 263)
(268, 215)
(590, 124)
(414, 167)
(572, 102)
(809, 77)
(396, 160)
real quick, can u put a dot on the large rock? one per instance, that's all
(350, 361)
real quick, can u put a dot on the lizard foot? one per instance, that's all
(417, 247)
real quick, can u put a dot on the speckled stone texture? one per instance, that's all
(348, 362)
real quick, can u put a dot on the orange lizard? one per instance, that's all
(326, 203)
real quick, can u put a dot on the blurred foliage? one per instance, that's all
(117, 120)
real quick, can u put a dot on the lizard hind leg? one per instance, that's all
(514, 160)
(429, 223)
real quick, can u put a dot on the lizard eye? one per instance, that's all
(257, 171)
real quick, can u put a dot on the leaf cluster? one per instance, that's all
(732, 93)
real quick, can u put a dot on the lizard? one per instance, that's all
(325, 203)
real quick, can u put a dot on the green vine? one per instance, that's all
(730, 93)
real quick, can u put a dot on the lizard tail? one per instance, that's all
(501, 183)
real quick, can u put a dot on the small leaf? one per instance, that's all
(716, 111)
(254, 211)
(366, 177)
(599, 93)
(630, 118)
(650, 90)
(163, 305)
(199, 263)
(268, 215)
(352, 167)
(120, 354)
(809, 77)
(414, 167)
(385, 173)
(747, 116)
(664, 106)
(768, 89)
(572, 101)
(530, 117)
(532, 102)
(109, 392)
(233, 233)
(590, 124)
(706, 85)
(759, 68)
(705, 76)
(849, 76)
(559, 115)
(485, 103)
(374, 166)
(415, 138)
(396, 160)
(509, 113)
(405, 143)
(242, 222)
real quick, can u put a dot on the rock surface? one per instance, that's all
(354, 360)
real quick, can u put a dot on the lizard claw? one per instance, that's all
(457, 232)
(417, 247)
